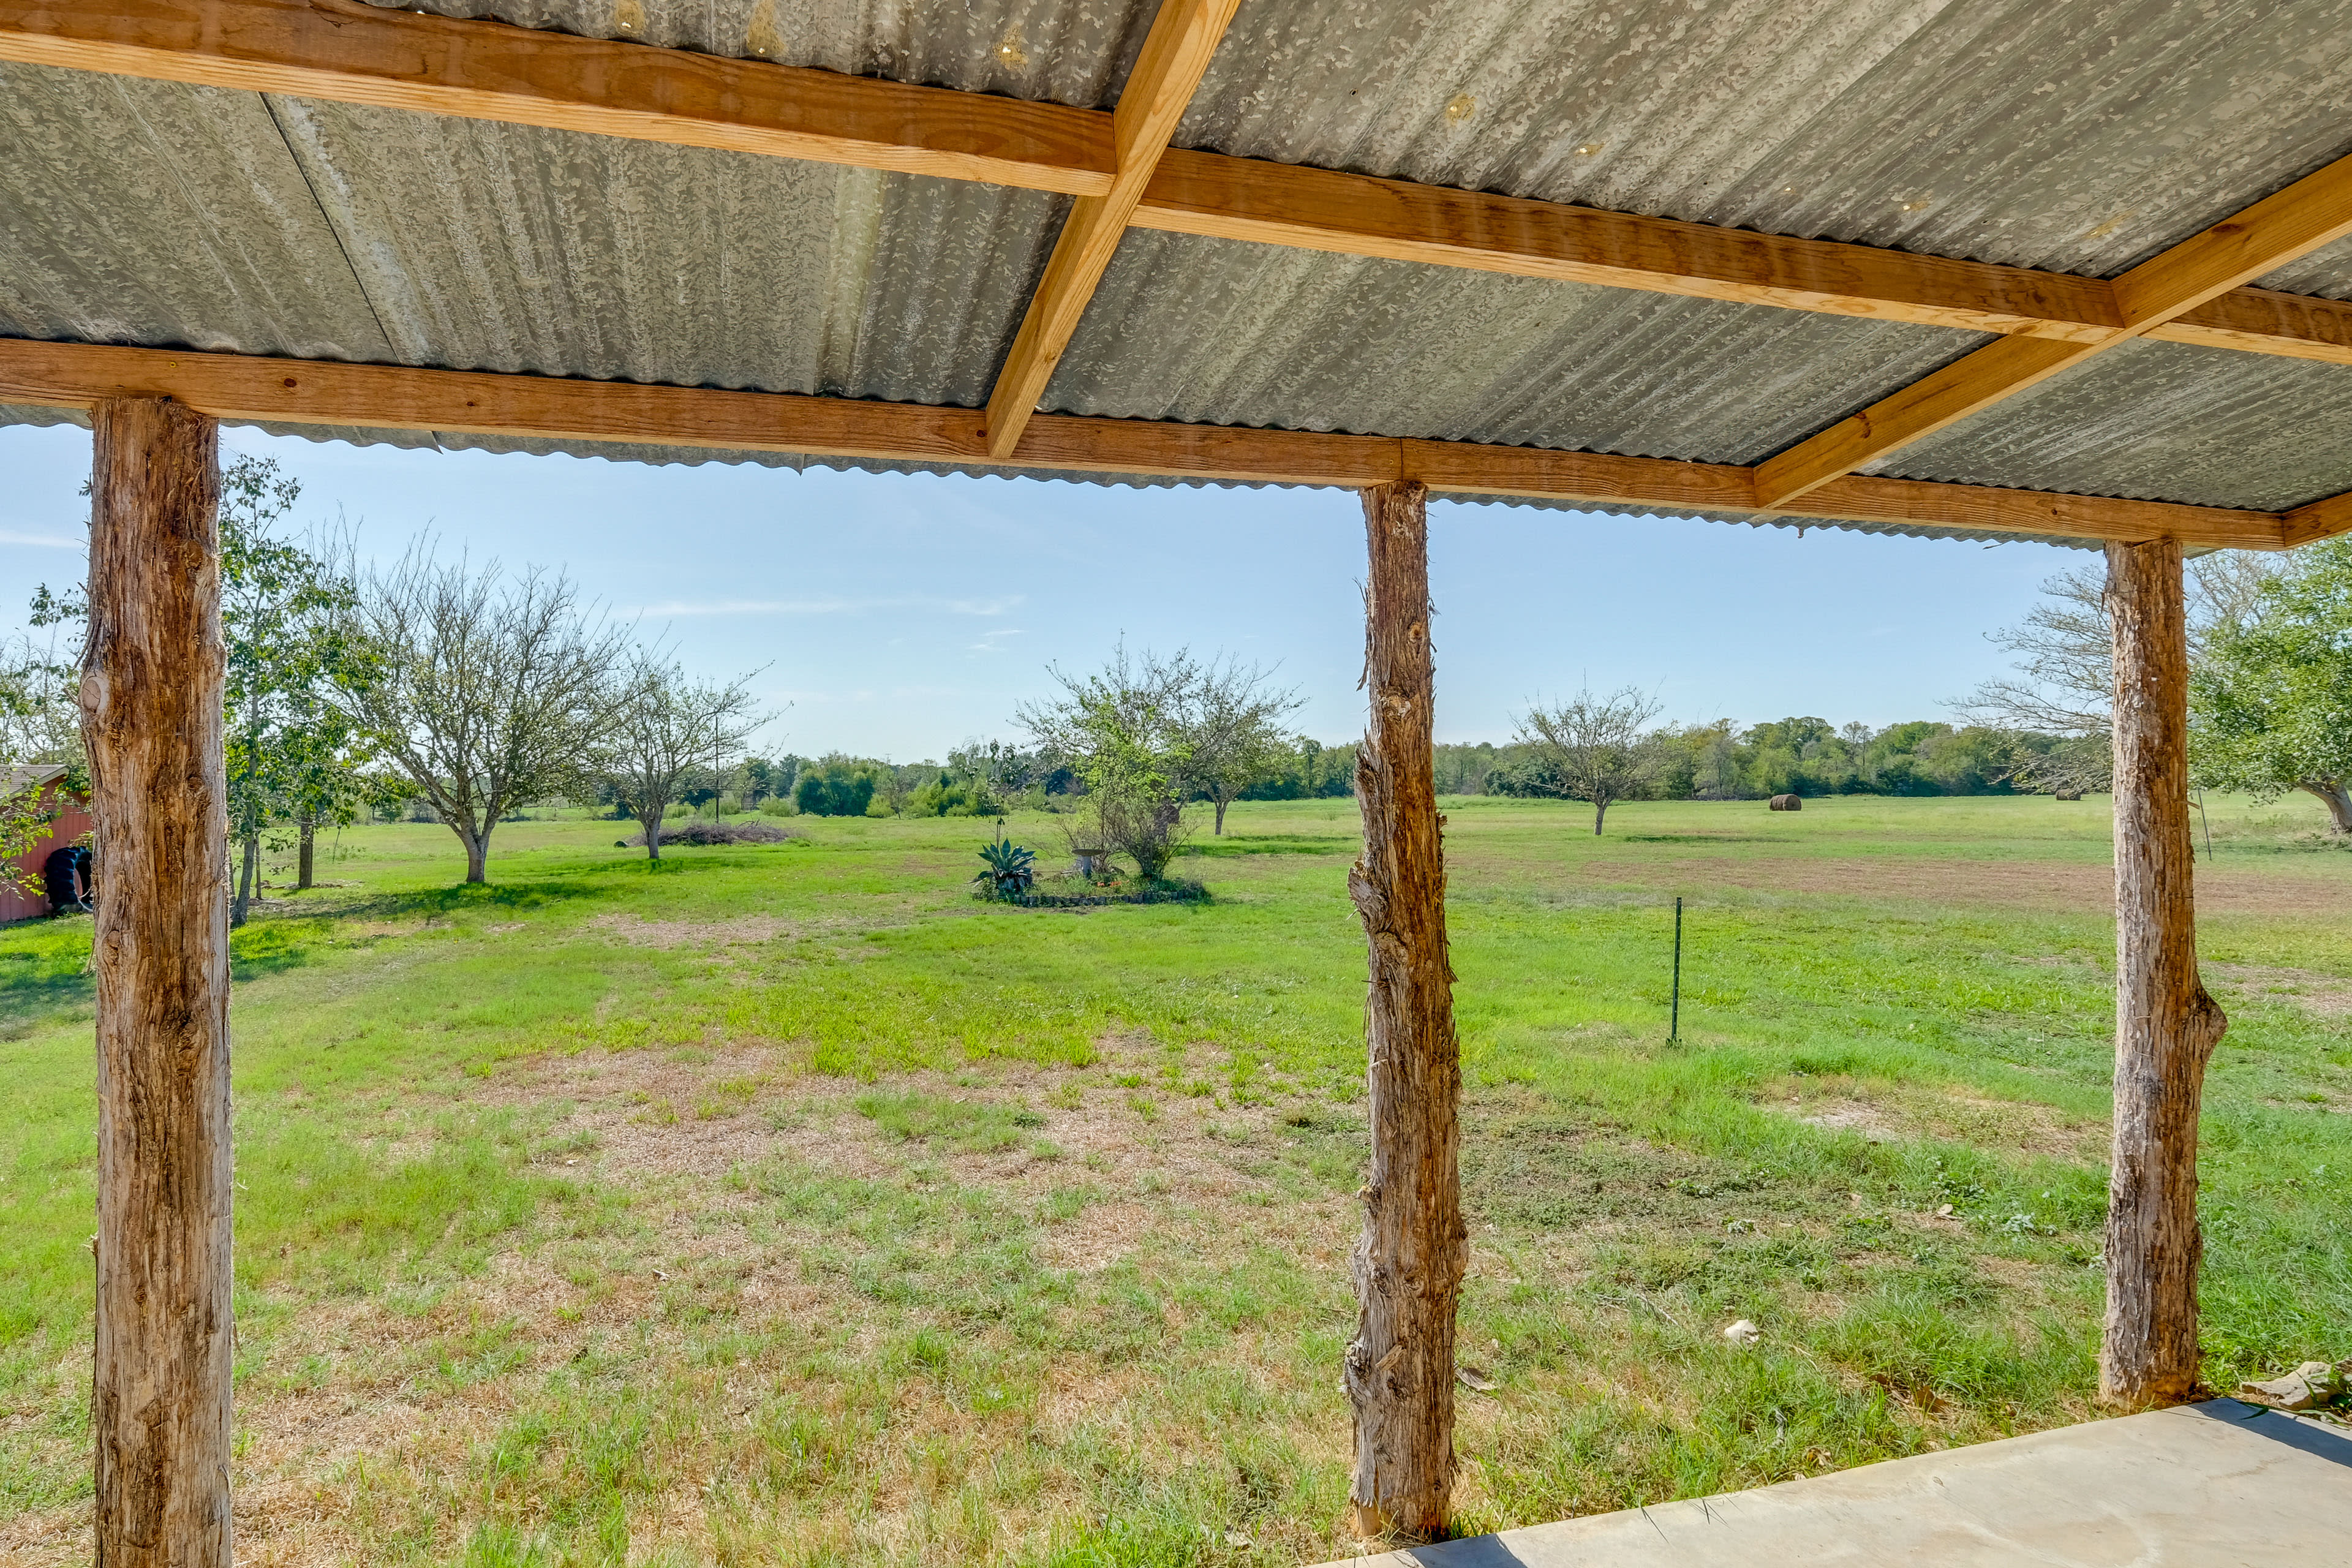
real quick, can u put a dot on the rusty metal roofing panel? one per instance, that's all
(1223, 333)
(2160, 421)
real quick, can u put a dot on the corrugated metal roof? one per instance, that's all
(139, 212)
(2159, 422)
(2081, 138)
(1076, 52)
(2067, 135)
(1220, 333)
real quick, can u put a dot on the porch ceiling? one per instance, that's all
(2070, 139)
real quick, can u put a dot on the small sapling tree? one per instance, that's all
(1598, 750)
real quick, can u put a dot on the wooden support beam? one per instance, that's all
(151, 700)
(2262, 322)
(350, 52)
(259, 390)
(2166, 1024)
(1182, 40)
(2322, 519)
(2316, 210)
(355, 53)
(1226, 197)
(1408, 1265)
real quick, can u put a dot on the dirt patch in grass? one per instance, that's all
(2329, 995)
(1885, 1115)
(741, 930)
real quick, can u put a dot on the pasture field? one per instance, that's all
(787, 1206)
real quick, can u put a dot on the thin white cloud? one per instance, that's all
(41, 541)
(838, 605)
(993, 642)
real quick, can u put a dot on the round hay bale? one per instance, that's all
(1788, 803)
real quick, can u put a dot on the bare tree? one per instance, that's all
(2064, 652)
(1234, 715)
(1595, 749)
(663, 726)
(489, 692)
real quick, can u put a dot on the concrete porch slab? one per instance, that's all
(2205, 1486)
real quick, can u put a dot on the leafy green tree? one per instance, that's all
(285, 617)
(835, 786)
(1129, 732)
(2271, 702)
(39, 724)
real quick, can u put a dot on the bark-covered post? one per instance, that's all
(2165, 1025)
(1408, 1265)
(150, 703)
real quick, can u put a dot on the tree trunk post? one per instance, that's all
(305, 861)
(2165, 1025)
(150, 703)
(1408, 1265)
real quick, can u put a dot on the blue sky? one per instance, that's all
(898, 616)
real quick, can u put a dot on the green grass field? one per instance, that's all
(787, 1206)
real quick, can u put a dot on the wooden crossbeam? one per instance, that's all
(355, 53)
(254, 389)
(2319, 520)
(350, 52)
(2316, 210)
(1183, 39)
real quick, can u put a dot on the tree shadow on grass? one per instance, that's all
(44, 971)
(1276, 844)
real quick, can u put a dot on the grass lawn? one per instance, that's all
(787, 1206)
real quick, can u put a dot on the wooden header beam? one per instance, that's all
(2316, 210)
(319, 392)
(350, 52)
(1183, 38)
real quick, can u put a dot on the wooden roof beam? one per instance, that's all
(1177, 51)
(2314, 211)
(327, 392)
(350, 52)
(354, 53)
(2318, 520)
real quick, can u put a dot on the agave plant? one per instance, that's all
(1011, 869)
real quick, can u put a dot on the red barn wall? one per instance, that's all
(73, 821)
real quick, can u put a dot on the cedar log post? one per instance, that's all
(1408, 1266)
(2165, 1025)
(151, 704)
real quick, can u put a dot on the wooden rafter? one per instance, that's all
(330, 393)
(344, 51)
(1183, 38)
(2316, 210)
